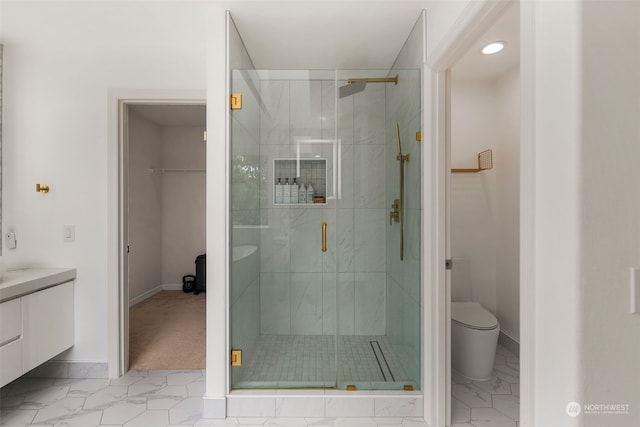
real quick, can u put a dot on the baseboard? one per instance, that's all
(144, 296)
(214, 407)
(512, 345)
(63, 370)
(172, 287)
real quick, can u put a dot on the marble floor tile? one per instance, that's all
(471, 395)
(460, 413)
(105, 397)
(142, 399)
(492, 403)
(59, 410)
(124, 411)
(44, 397)
(86, 387)
(17, 417)
(508, 405)
(490, 417)
(494, 386)
(186, 412)
(150, 418)
(80, 419)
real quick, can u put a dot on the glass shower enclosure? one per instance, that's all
(326, 276)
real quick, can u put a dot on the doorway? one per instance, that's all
(484, 222)
(163, 230)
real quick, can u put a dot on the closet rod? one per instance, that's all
(156, 170)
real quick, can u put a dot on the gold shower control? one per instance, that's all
(236, 357)
(394, 215)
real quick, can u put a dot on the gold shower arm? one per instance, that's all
(374, 80)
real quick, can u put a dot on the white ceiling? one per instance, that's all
(339, 34)
(324, 34)
(476, 66)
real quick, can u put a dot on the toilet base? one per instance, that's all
(473, 351)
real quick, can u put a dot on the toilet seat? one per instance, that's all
(473, 315)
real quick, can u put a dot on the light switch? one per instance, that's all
(69, 233)
(11, 240)
(635, 290)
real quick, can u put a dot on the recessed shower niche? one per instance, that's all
(300, 181)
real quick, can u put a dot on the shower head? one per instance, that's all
(352, 88)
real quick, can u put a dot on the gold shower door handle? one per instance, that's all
(324, 237)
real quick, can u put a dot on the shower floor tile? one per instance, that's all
(368, 362)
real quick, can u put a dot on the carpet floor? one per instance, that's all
(167, 331)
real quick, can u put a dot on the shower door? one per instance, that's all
(283, 303)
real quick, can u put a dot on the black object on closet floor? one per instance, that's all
(201, 274)
(197, 283)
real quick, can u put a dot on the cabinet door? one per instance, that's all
(10, 362)
(10, 321)
(48, 324)
(10, 342)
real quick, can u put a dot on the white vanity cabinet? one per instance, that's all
(36, 319)
(10, 341)
(47, 322)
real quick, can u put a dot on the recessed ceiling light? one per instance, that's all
(493, 47)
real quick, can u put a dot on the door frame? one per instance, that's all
(117, 217)
(473, 22)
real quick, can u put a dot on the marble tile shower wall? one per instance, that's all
(297, 281)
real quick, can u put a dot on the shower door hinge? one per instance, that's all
(418, 136)
(236, 357)
(236, 101)
(448, 264)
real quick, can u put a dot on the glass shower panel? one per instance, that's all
(246, 178)
(293, 317)
(319, 294)
(374, 351)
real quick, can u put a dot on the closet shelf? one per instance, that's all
(161, 170)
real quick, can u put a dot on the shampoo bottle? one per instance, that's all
(278, 192)
(302, 194)
(294, 191)
(286, 192)
(310, 193)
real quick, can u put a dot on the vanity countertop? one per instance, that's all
(16, 283)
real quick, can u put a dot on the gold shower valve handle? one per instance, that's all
(42, 188)
(394, 215)
(324, 237)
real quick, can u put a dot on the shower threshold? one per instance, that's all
(309, 361)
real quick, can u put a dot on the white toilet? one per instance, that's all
(474, 337)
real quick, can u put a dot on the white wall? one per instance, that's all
(60, 60)
(145, 207)
(183, 201)
(507, 213)
(485, 223)
(166, 211)
(551, 215)
(610, 203)
(473, 195)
